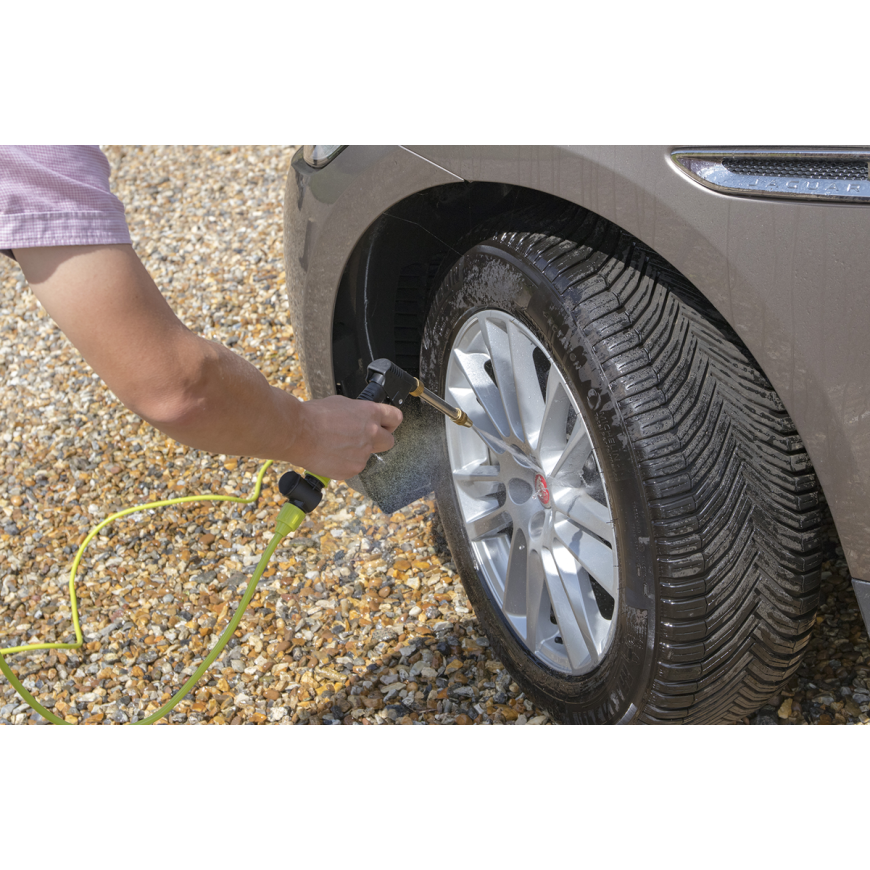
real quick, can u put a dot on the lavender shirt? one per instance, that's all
(57, 195)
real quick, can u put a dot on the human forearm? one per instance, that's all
(196, 391)
(221, 403)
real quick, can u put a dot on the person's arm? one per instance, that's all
(196, 391)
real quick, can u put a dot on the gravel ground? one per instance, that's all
(361, 617)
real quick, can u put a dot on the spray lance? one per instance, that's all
(387, 383)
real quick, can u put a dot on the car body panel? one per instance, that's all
(790, 277)
(319, 239)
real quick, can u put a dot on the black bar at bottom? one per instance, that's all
(862, 593)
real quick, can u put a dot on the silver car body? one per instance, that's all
(789, 274)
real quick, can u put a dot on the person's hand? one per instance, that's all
(336, 436)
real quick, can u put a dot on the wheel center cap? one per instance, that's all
(541, 490)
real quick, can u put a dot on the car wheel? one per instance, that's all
(634, 517)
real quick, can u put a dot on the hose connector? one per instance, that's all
(303, 492)
(289, 519)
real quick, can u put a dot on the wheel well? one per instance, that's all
(395, 268)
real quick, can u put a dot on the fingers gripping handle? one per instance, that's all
(374, 393)
(387, 384)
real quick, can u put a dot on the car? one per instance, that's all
(663, 351)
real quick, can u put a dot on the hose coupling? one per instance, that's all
(302, 492)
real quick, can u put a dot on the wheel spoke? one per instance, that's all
(534, 599)
(578, 610)
(570, 614)
(485, 391)
(493, 442)
(590, 553)
(500, 355)
(489, 523)
(479, 475)
(514, 599)
(586, 512)
(528, 392)
(577, 449)
(552, 439)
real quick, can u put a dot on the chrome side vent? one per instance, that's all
(832, 170)
(813, 174)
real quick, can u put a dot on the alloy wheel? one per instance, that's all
(533, 499)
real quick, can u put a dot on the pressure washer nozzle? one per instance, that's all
(388, 383)
(457, 415)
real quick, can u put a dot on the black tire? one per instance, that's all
(715, 503)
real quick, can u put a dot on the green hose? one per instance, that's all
(289, 519)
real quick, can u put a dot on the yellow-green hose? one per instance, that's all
(289, 519)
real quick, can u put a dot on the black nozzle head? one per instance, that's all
(387, 383)
(304, 492)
